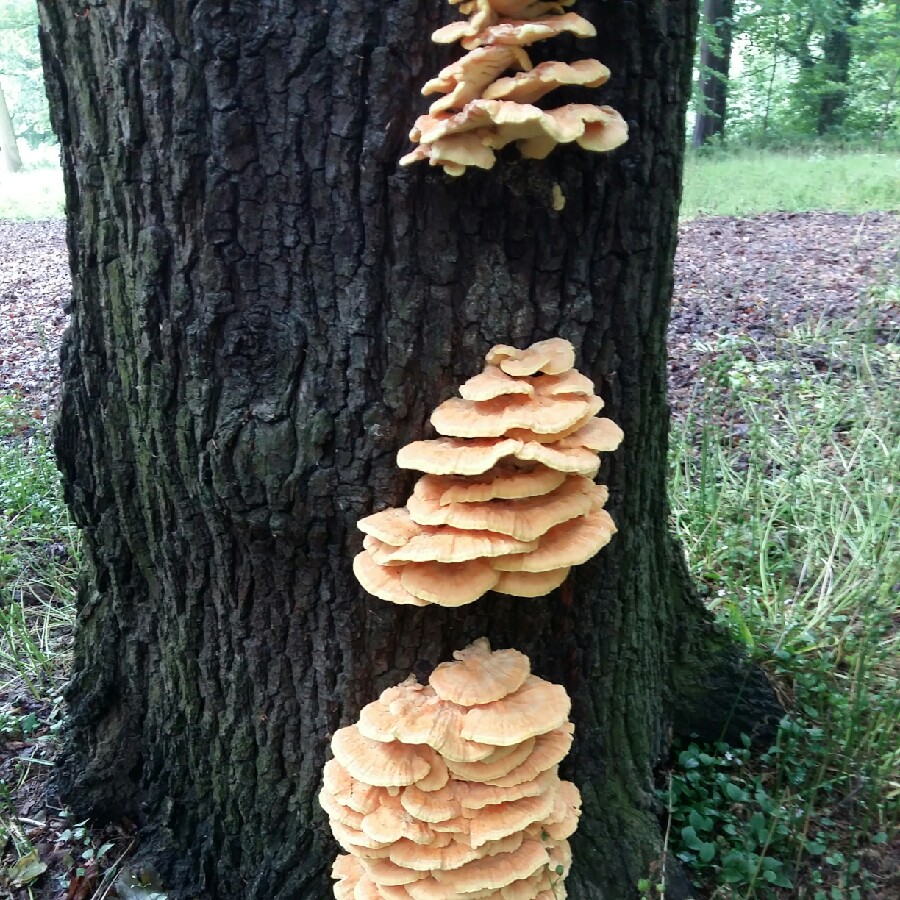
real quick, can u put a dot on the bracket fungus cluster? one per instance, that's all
(481, 110)
(450, 790)
(508, 502)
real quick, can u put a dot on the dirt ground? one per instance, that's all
(756, 277)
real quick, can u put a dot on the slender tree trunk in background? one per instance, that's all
(837, 50)
(265, 308)
(10, 160)
(715, 63)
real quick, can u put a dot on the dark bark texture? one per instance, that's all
(715, 64)
(265, 308)
(837, 51)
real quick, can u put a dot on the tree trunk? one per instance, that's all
(715, 63)
(10, 161)
(265, 308)
(837, 51)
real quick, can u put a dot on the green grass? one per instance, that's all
(38, 558)
(751, 182)
(720, 184)
(789, 512)
(32, 194)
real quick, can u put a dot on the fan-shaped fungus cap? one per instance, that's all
(447, 545)
(437, 806)
(448, 456)
(570, 544)
(388, 874)
(569, 382)
(491, 873)
(494, 418)
(480, 676)
(599, 435)
(553, 357)
(499, 820)
(337, 812)
(525, 520)
(563, 820)
(496, 766)
(493, 382)
(593, 405)
(604, 133)
(449, 584)
(597, 128)
(446, 854)
(348, 791)
(347, 870)
(531, 584)
(536, 708)
(575, 460)
(548, 751)
(504, 482)
(383, 582)
(454, 152)
(466, 79)
(391, 823)
(530, 86)
(377, 763)
(391, 526)
(515, 33)
(413, 714)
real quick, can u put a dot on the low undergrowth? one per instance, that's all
(761, 181)
(38, 558)
(788, 508)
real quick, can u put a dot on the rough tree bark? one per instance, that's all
(837, 51)
(265, 308)
(715, 64)
(10, 160)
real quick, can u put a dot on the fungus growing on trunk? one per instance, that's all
(508, 502)
(481, 112)
(452, 817)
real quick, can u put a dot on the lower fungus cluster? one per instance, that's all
(508, 502)
(450, 790)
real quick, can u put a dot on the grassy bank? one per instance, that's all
(751, 182)
(788, 509)
(722, 184)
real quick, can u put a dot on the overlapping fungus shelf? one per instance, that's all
(480, 112)
(450, 790)
(508, 502)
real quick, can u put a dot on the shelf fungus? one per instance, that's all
(482, 109)
(451, 790)
(508, 502)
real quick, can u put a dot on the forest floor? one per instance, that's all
(745, 289)
(755, 277)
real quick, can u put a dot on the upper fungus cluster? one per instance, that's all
(451, 791)
(508, 502)
(482, 110)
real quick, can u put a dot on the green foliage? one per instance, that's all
(38, 559)
(792, 58)
(749, 182)
(792, 528)
(20, 71)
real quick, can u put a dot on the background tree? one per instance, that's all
(264, 309)
(20, 72)
(715, 62)
(10, 160)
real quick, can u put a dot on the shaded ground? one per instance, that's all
(753, 277)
